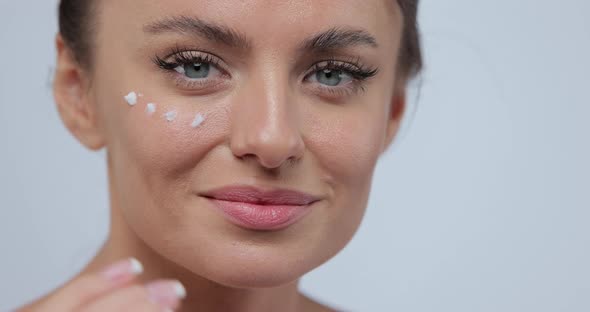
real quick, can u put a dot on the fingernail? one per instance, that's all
(123, 270)
(167, 294)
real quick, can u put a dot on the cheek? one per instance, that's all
(348, 143)
(171, 139)
(154, 148)
(347, 146)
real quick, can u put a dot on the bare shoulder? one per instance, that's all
(312, 305)
(32, 306)
(39, 303)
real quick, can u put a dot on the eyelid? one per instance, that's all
(335, 93)
(352, 66)
(185, 56)
(357, 72)
(179, 57)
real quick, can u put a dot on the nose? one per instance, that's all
(265, 123)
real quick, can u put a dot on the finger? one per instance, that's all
(88, 287)
(166, 293)
(158, 296)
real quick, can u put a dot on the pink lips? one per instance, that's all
(255, 209)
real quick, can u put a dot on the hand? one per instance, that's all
(113, 290)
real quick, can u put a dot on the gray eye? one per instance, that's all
(197, 70)
(330, 77)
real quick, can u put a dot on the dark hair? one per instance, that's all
(76, 25)
(410, 54)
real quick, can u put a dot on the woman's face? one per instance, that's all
(291, 100)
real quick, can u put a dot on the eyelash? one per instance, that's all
(181, 57)
(352, 67)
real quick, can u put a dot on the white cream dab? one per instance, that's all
(198, 121)
(131, 98)
(150, 108)
(171, 115)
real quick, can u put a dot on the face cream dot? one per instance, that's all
(131, 98)
(198, 121)
(171, 115)
(150, 108)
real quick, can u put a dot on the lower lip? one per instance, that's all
(260, 217)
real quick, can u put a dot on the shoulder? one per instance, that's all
(312, 305)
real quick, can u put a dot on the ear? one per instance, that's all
(396, 113)
(71, 91)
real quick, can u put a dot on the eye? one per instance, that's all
(331, 77)
(194, 70)
(338, 79)
(197, 70)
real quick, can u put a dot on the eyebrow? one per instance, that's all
(329, 40)
(195, 26)
(338, 38)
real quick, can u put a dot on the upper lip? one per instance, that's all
(256, 195)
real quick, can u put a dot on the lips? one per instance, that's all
(253, 195)
(257, 209)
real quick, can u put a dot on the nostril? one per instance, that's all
(268, 152)
(270, 140)
(271, 163)
(268, 162)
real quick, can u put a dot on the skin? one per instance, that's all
(266, 126)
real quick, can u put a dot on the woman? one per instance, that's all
(241, 139)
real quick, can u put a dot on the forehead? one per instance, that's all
(260, 20)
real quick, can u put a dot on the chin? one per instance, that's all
(245, 278)
(247, 271)
(234, 257)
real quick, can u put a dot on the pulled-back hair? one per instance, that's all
(77, 21)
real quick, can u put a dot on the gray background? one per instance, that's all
(481, 205)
